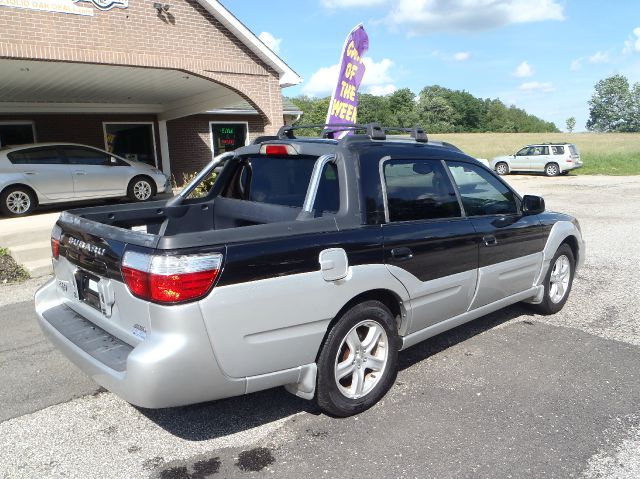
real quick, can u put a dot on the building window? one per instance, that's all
(132, 141)
(227, 136)
(17, 133)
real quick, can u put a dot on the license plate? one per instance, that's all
(88, 289)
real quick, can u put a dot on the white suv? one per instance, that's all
(551, 158)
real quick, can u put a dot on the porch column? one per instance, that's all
(164, 146)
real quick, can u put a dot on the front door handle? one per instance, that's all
(402, 253)
(80, 173)
(29, 172)
(489, 240)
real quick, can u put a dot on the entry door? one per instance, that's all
(94, 176)
(428, 245)
(46, 170)
(511, 244)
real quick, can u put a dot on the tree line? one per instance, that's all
(435, 108)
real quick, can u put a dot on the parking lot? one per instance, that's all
(512, 394)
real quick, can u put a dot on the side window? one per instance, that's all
(85, 156)
(557, 150)
(544, 150)
(524, 152)
(419, 190)
(39, 156)
(328, 194)
(482, 193)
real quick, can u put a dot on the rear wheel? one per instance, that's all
(17, 201)
(141, 188)
(552, 169)
(358, 363)
(558, 281)
(502, 168)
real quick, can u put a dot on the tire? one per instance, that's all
(552, 169)
(502, 168)
(17, 201)
(141, 188)
(553, 301)
(365, 339)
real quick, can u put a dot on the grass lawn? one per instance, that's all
(602, 153)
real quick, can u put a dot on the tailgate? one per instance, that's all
(89, 278)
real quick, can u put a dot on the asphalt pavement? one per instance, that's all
(512, 394)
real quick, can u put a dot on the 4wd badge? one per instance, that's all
(107, 4)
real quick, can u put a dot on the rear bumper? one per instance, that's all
(168, 368)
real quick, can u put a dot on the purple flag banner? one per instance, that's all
(343, 107)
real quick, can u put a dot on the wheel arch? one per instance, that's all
(572, 241)
(387, 297)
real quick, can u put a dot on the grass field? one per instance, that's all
(602, 153)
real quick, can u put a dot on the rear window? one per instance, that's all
(39, 156)
(275, 180)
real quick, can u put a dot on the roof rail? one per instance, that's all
(373, 130)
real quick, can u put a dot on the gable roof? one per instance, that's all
(288, 77)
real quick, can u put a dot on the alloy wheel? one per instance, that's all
(559, 281)
(142, 190)
(18, 202)
(361, 359)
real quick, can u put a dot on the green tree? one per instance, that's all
(611, 105)
(571, 124)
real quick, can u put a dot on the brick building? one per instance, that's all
(168, 84)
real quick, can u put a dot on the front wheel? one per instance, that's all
(558, 281)
(141, 188)
(358, 363)
(502, 168)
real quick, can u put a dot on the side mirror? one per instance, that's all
(532, 205)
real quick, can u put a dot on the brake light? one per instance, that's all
(278, 150)
(55, 248)
(56, 234)
(170, 279)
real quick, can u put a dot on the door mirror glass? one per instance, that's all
(532, 205)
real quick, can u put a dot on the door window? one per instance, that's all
(39, 156)
(16, 134)
(228, 136)
(419, 190)
(482, 193)
(133, 141)
(86, 156)
(526, 151)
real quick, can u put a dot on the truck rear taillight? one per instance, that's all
(170, 279)
(56, 234)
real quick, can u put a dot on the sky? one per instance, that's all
(544, 56)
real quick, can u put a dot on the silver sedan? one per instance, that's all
(45, 173)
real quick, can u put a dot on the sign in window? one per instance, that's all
(228, 137)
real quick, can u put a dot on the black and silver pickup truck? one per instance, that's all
(309, 263)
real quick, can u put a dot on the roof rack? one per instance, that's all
(373, 130)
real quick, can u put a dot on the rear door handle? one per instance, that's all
(489, 240)
(29, 172)
(402, 253)
(80, 173)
